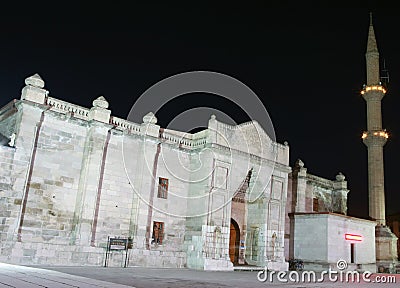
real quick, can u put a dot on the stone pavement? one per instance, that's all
(21, 276)
(29, 277)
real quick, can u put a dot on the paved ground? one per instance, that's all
(28, 277)
(55, 277)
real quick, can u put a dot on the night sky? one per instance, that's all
(306, 66)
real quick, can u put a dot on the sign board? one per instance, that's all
(353, 237)
(118, 244)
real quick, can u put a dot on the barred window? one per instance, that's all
(162, 188)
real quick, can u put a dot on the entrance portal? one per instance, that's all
(234, 242)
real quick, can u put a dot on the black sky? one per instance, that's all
(306, 66)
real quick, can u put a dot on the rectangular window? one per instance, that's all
(315, 205)
(162, 188)
(158, 233)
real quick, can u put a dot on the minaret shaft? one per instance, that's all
(376, 183)
(374, 115)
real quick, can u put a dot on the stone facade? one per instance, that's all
(75, 176)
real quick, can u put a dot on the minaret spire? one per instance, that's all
(372, 56)
(372, 47)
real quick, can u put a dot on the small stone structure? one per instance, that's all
(320, 241)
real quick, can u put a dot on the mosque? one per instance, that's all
(77, 182)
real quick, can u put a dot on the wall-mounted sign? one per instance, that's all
(353, 237)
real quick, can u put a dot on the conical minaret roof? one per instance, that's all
(372, 47)
(372, 57)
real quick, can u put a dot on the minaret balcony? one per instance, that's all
(375, 137)
(368, 88)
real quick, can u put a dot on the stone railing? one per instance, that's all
(65, 107)
(181, 139)
(235, 127)
(319, 181)
(184, 140)
(123, 124)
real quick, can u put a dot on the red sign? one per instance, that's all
(353, 237)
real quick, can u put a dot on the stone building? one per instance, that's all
(71, 177)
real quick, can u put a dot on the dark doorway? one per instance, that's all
(234, 242)
(352, 254)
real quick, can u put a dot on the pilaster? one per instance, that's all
(299, 187)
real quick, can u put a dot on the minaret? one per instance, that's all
(375, 137)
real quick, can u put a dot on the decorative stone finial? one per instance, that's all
(35, 80)
(340, 177)
(150, 118)
(287, 144)
(100, 102)
(299, 163)
(99, 111)
(213, 117)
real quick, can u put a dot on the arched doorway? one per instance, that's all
(234, 242)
